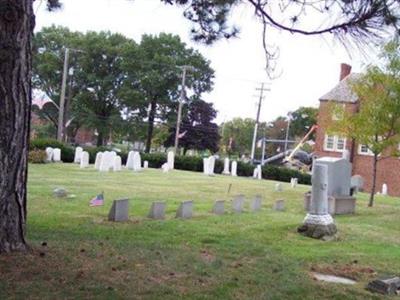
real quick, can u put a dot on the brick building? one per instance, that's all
(360, 156)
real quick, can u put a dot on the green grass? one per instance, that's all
(246, 256)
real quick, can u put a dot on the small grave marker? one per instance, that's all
(278, 187)
(219, 207)
(279, 205)
(119, 211)
(157, 210)
(255, 204)
(185, 210)
(238, 203)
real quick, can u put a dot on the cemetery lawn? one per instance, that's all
(78, 254)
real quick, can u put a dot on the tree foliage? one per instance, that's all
(377, 122)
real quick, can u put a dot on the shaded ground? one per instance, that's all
(77, 253)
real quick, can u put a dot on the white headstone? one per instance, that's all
(259, 172)
(98, 160)
(78, 154)
(278, 187)
(129, 161)
(211, 161)
(234, 168)
(293, 182)
(84, 163)
(117, 166)
(137, 162)
(49, 154)
(171, 160)
(165, 167)
(106, 162)
(57, 154)
(206, 166)
(145, 164)
(384, 189)
(226, 167)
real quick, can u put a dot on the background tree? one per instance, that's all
(377, 122)
(197, 128)
(302, 120)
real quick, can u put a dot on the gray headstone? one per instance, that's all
(357, 182)
(185, 210)
(339, 175)
(60, 192)
(319, 195)
(279, 205)
(255, 204)
(119, 211)
(238, 203)
(157, 210)
(278, 187)
(219, 207)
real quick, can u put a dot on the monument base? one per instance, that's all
(318, 226)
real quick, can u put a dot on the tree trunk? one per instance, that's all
(100, 138)
(150, 127)
(372, 195)
(16, 24)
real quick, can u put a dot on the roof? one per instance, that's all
(342, 91)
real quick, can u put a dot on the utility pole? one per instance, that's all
(253, 146)
(60, 127)
(289, 119)
(182, 98)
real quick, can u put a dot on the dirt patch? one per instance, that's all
(351, 270)
(207, 256)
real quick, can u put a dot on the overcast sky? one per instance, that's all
(309, 65)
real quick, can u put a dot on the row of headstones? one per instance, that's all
(119, 211)
(53, 154)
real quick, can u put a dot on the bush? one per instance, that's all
(37, 156)
(67, 152)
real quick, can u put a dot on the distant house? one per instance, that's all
(360, 155)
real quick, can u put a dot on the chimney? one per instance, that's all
(345, 70)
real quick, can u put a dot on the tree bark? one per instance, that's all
(16, 27)
(150, 127)
(372, 195)
(100, 139)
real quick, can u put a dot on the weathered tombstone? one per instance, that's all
(145, 164)
(339, 175)
(293, 182)
(117, 165)
(57, 154)
(98, 160)
(60, 192)
(384, 189)
(165, 167)
(386, 286)
(106, 162)
(157, 210)
(278, 187)
(119, 211)
(137, 162)
(226, 167)
(171, 160)
(129, 161)
(238, 203)
(185, 210)
(219, 207)
(279, 205)
(84, 160)
(255, 204)
(259, 172)
(234, 168)
(49, 154)
(318, 223)
(78, 154)
(211, 161)
(206, 166)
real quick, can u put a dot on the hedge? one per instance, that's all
(67, 152)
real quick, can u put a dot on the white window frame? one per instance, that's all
(336, 139)
(368, 152)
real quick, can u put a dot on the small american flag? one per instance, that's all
(97, 201)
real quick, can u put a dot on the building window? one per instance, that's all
(334, 143)
(364, 150)
(338, 112)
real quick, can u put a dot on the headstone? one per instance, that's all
(226, 167)
(206, 166)
(137, 162)
(117, 166)
(129, 161)
(278, 187)
(259, 172)
(84, 160)
(165, 167)
(318, 223)
(98, 160)
(339, 175)
(60, 192)
(219, 207)
(57, 154)
(171, 160)
(211, 161)
(119, 211)
(49, 154)
(185, 210)
(145, 164)
(106, 162)
(279, 205)
(386, 286)
(157, 210)
(255, 204)
(384, 189)
(238, 203)
(234, 168)
(78, 154)
(293, 182)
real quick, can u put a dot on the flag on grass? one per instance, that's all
(97, 201)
